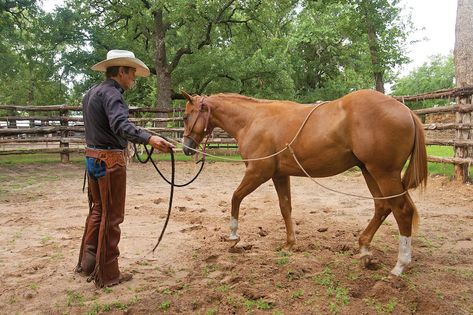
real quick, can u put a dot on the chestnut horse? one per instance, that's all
(364, 128)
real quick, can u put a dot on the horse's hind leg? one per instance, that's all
(381, 212)
(404, 211)
(283, 188)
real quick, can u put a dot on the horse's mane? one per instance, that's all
(241, 97)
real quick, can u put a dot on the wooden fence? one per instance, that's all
(59, 129)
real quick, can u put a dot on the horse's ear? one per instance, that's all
(187, 96)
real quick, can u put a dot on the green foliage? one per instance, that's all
(28, 71)
(288, 49)
(436, 74)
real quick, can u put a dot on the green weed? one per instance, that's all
(259, 304)
(381, 308)
(165, 305)
(211, 312)
(298, 294)
(223, 288)
(74, 298)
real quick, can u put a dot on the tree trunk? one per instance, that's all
(378, 74)
(463, 57)
(373, 45)
(162, 70)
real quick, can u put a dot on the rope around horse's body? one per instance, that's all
(288, 147)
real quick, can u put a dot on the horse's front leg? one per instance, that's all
(283, 188)
(252, 180)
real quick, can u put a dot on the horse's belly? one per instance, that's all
(318, 165)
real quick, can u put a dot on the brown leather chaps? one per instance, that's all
(99, 249)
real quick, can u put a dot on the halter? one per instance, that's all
(207, 130)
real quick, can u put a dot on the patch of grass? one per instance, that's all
(298, 294)
(427, 242)
(39, 158)
(353, 276)
(338, 295)
(326, 278)
(96, 307)
(464, 273)
(206, 270)
(165, 305)
(107, 290)
(381, 308)
(283, 258)
(223, 288)
(167, 291)
(441, 168)
(259, 304)
(74, 298)
(211, 311)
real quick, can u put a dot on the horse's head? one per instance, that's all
(196, 122)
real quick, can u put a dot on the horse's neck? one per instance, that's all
(232, 115)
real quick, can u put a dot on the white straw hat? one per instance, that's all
(122, 58)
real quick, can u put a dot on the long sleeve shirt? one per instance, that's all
(106, 118)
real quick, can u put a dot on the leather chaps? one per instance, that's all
(99, 252)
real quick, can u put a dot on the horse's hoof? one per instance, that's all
(287, 247)
(369, 262)
(232, 240)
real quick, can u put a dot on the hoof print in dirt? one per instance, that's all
(158, 201)
(262, 232)
(322, 229)
(211, 259)
(236, 250)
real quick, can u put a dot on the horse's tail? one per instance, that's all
(415, 214)
(416, 173)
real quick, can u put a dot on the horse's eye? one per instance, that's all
(185, 117)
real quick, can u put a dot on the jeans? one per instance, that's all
(95, 168)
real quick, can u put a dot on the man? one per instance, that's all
(107, 132)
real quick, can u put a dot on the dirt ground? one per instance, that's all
(194, 271)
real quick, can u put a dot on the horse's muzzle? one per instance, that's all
(188, 144)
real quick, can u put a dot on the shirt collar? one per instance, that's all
(115, 84)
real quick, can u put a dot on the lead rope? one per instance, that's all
(171, 183)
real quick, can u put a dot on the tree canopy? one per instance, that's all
(303, 50)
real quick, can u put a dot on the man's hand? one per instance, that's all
(160, 144)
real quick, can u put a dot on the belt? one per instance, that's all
(111, 158)
(102, 147)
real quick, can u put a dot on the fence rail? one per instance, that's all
(63, 128)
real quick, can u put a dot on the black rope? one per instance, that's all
(171, 196)
(170, 182)
(149, 158)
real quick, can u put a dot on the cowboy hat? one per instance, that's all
(122, 58)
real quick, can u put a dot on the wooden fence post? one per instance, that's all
(64, 133)
(463, 117)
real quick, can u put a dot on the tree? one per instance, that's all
(216, 34)
(27, 66)
(463, 55)
(436, 74)
(386, 32)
